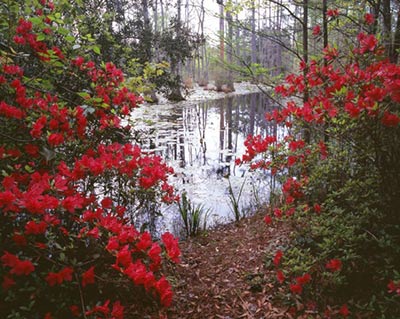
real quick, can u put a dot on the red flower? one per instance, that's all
(332, 13)
(280, 276)
(19, 239)
(165, 291)
(296, 288)
(88, 277)
(316, 30)
(75, 310)
(291, 160)
(334, 265)
(154, 253)
(106, 202)
(368, 42)
(24, 26)
(278, 257)
(34, 228)
(78, 61)
(344, 311)
(94, 233)
(113, 244)
(38, 126)
(352, 109)
(323, 150)
(305, 279)
(57, 278)
(369, 18)
(8, 282)
(171, 245)
(145, 241)
(117, 310)
(278, 212)
(23, 267)
(394, 287)
(268, 219)
(32, 150)
(390, 119)
(124, 256)
(290, 211)
(317, 208)
(72, 203)
(104, 309)
(19, 40)
(55, 139)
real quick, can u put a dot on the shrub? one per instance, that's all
(340, 182)
(70, 177)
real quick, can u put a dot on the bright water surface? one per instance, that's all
(201, 140)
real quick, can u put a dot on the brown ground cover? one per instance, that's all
(222, 274)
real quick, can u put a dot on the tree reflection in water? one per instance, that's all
(201, 140)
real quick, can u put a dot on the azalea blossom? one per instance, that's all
(334, 265)
(316, 30)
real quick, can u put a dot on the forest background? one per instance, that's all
(73, 174)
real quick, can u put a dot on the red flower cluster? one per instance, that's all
(116, 312)
(394, 287)
(316, 30)
(18, 267)
(88, 277)
(369, 18)
(297, 288)
(332, 13)
(172, 246)
(59, 277)
(57, 190)
(334, 265)
(277, 258)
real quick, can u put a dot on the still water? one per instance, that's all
(201, 140)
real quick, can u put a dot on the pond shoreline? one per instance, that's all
(200, 94)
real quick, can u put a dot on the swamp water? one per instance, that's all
(201, 141)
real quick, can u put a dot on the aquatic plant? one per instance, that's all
(194, 217)
(234, 201)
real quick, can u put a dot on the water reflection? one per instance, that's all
(201, 140)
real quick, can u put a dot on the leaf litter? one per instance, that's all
(222, 273)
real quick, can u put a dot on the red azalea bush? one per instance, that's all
(70, 179)
(340, 183)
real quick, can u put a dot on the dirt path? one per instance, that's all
(222, 273)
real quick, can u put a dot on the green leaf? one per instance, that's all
(36, 20)
(84, 94)
(63, 31)
(29, 169)
(96, 49)
(41, 37)
(70, 38)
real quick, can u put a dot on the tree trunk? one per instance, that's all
(387, 26)
(229, 83)
(307, 133)
(325, 23)
(253, 34)
(305, 31)
(162, 15)
(155, 15)
(221, 33)
(176, 94)
(396, 41)
(237, 36)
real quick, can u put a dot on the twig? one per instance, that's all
(81, 297)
